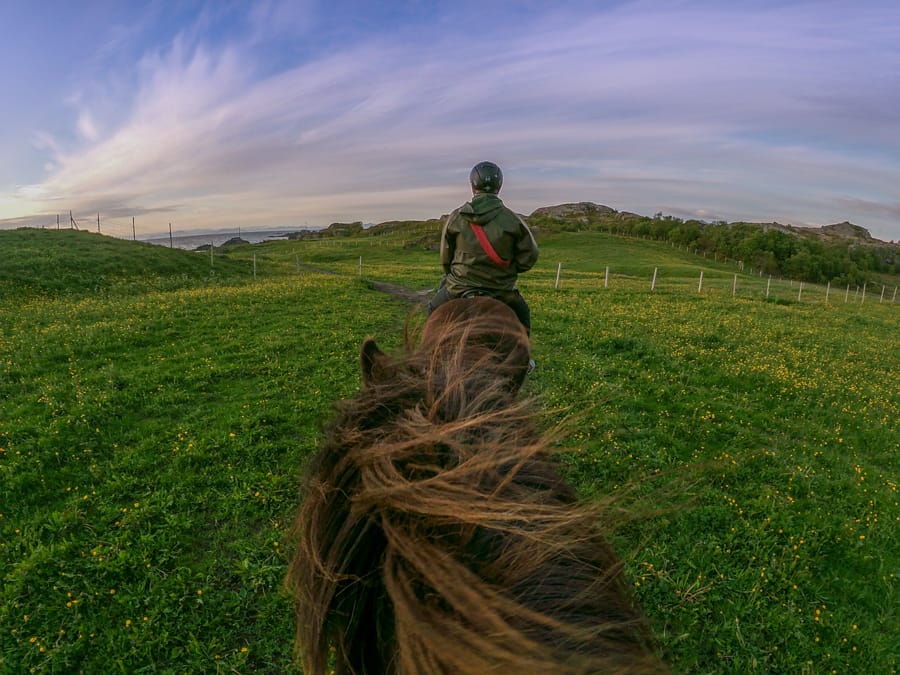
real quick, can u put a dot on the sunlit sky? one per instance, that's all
(230, 113)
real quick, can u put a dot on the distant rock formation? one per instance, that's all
(333, 230)
(234, 241)
(578, 215)
(578, 210)
(847, 230)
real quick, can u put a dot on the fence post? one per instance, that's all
(210, 253)
(700, 285)
(653, 283)
(558, 271)
(606, 281)
(360, 265)
(847, 294)
(768, 284)
(895, 294)
(827, 292)
(734, 287)
(800, 292)
(297, 261)
(133, 232)
(864, 292)
(254, 266)
(882, 294)
(170, 236)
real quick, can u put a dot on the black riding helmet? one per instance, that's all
(486, 177)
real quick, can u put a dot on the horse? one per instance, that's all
(437, 534)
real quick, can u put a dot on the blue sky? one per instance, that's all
(226, 114)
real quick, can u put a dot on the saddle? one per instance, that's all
(501, 295)
(477, 293)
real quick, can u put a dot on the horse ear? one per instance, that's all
(377, 366)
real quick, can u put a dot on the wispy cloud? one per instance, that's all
(771, 111)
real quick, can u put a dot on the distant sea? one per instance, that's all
(191, 242)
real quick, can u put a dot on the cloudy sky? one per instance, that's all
(228, 113)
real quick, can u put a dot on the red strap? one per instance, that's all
(486, 245)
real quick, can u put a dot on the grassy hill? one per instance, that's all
(73, 261)
(152, 435)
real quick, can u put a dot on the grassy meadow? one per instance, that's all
(156, 409)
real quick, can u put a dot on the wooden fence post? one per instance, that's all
(653, 283)
(700, 285)
(734, 287)
(606, 281)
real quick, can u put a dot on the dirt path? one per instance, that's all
(402, 292)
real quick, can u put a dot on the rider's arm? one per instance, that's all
(448, 244)
(526, 249)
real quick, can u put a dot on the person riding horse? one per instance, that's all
(485, 246)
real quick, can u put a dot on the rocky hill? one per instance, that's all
(585, 212)
(847, 230)
(590, 216)
(579, 210)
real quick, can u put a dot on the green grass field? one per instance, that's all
(156, 413)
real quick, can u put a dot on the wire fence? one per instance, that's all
(721, 283)
(660, 279)
(675, 278)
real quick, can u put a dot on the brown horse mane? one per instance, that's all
(436, 533)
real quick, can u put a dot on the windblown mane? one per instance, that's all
(436, 534)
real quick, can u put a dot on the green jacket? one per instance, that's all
(467, 266)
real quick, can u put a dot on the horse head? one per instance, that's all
(437, 534)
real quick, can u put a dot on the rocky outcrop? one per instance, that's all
(333, 230)
(847, 230)
(577, 210)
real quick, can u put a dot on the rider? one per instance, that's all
(485, 246)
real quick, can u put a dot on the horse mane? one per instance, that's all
(437, 535)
